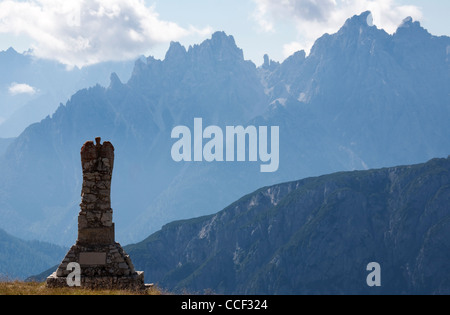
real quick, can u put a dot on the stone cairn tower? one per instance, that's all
(104, 264)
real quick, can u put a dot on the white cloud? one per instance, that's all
(262, 15)
(314, 18)
(21, 88)
(84, 32)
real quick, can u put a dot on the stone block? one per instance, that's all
(96, 236)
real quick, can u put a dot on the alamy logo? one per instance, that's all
(228, 146)
(374, 278)
(74, 278)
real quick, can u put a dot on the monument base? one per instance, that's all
(129, 283)
(101, 267)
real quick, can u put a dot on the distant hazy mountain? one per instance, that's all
(32, 88)
(4, 143)
(20, 259)
(314, 236)
(362, 99)
(212, 81)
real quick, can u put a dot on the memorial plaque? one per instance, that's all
(92, 259)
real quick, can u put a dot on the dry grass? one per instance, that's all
(33, 288)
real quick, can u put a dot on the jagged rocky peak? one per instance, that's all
(222, 40)
(10, 55)
(151, 59)
(139, 65)
(365, 19)
(269, 64)
(266, 61)
(175, 52)
(355, 28)
(142, 65)
(409, 27)
(11, 51)
(115, 81)
(221, 46)
(297, 58)
(409, 22)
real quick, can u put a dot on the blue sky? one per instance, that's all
(82, 32)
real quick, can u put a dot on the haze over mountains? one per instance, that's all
(32, 88)
(20, 259)
(362, 99)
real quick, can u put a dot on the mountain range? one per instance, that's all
(314, 236)
(20, 259)
(361, 99)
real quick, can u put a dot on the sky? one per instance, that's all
(85, 32)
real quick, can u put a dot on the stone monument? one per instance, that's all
(103, 262)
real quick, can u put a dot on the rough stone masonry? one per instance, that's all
(104, 264)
